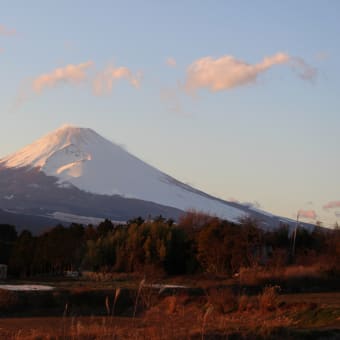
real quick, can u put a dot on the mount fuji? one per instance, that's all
(74, 174)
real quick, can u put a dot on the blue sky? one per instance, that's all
(192, 92)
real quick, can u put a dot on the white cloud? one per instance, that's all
(227, 72)
(103, 82)
(171, 62)
(73, 74)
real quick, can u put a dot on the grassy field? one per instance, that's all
(207, 309)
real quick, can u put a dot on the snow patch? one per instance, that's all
(33, 185)
(65, 217)
(64, 185)
(261, 211)
(86, 160)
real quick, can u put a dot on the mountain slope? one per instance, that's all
(31, 192)
(80, 158)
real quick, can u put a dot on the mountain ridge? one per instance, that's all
(81, 157)
(74, 171)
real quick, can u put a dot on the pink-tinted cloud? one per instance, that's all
(172, 97)
(332, 205)
(227, 72)
(309, 214)
(171, 62)
(103, 82)
(5, 31)
(302, 69)
(73, 74)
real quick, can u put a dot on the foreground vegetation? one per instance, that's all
(218, 313)
(235, 281)
(197, 244)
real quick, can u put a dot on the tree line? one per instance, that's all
(197, 243)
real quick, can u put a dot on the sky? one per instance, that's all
(237, 98)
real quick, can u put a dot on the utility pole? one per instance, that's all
(294, 234)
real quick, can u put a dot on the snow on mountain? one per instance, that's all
(81, 157)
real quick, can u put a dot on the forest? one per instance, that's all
(198, 243)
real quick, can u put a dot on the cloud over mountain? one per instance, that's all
(71, 73)
(104, 81)
(302, 69)
(332, 205)
(309, 214)
(227, 72)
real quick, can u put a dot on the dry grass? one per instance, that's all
(171, 303)
(218, 315)
(197, 322)
(223, 299)
(268, 300)
(8, 300)
(303, 271)
(256, 275)
(247, 303)
(104, 278)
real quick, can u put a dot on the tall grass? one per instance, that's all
(255, 276)
(117, 293)
(268, 300)
(208, 311)
(140, 287)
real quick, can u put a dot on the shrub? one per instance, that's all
(247, 303)
(8, 300)
(268, 300)
(171, 303)
(243, 303)
(253, 276)
(222, 299)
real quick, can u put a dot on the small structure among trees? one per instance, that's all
(3, 271)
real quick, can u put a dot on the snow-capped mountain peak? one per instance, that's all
(81, 157)
(67, 140)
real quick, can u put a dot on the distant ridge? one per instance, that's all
(82, 158)
(74, 171)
